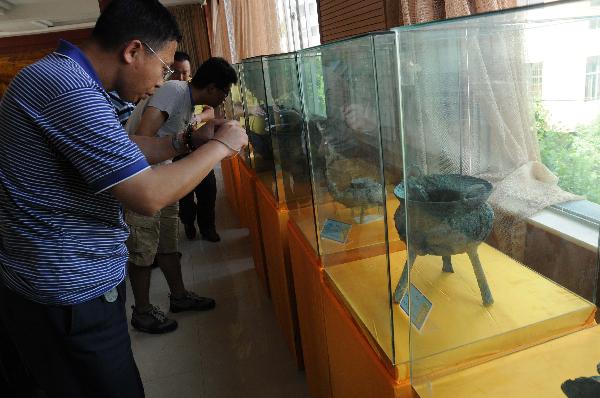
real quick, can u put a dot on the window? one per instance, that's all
(535, 78)
(592, 78)
(572, 154)
(595, 23)
(582, 209)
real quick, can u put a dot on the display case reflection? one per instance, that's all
(287, 131)
(237, 109)
(257, 123)
(340, 93)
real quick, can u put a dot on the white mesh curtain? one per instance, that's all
(299, 24)
(247, 28)
(467, 110)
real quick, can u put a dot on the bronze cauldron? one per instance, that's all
(447, 215)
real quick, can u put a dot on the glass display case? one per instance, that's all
(236, 109)
(258, 127)
(500, 133)
(349, 98)
(465, 151)
(289, 139)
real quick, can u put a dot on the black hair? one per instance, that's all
(126, 20)
(181, 56)
(215, 70)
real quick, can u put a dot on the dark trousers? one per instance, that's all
(15, 381)
(74, 351)
(204, 210)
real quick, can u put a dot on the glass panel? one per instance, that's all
(257, 123)
(289, 141)
(493, 268)
(340, 97)
(228, 107)
(237, 109)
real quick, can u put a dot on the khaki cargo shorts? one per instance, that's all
(151, 235)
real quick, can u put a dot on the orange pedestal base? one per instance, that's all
(277, 260)
(338, 359)
(356, 371)
(229, 184)
(237, 183)
(250, 217)
(307, 271)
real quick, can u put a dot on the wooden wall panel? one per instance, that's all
(344, 18)
(192, 23)
(19, 51)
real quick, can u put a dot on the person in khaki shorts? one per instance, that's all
(168, 112)
(154, 235)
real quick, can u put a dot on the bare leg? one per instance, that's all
(140, 285)
(170, 265)
(486, 294)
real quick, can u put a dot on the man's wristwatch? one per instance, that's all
(188, 138)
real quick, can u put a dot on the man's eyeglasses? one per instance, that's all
(169, 72)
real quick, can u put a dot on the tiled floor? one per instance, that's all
(233, 351)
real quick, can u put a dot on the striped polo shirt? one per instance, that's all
(62, 234)
(123, 108)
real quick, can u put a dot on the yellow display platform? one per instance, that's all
(459, 331)
(536, 372)
(250, 216)
(277, 262)
(308, 274)
(364, 240)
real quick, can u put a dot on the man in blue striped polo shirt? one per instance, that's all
(67, 168)
(123, 108)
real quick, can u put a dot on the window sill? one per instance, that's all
(570, 228)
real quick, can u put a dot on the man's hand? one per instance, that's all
(232, 135)
(204, 133)
(208, 113)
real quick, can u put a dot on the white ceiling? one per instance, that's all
(38, 16)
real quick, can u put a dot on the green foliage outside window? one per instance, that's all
(574, 156)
